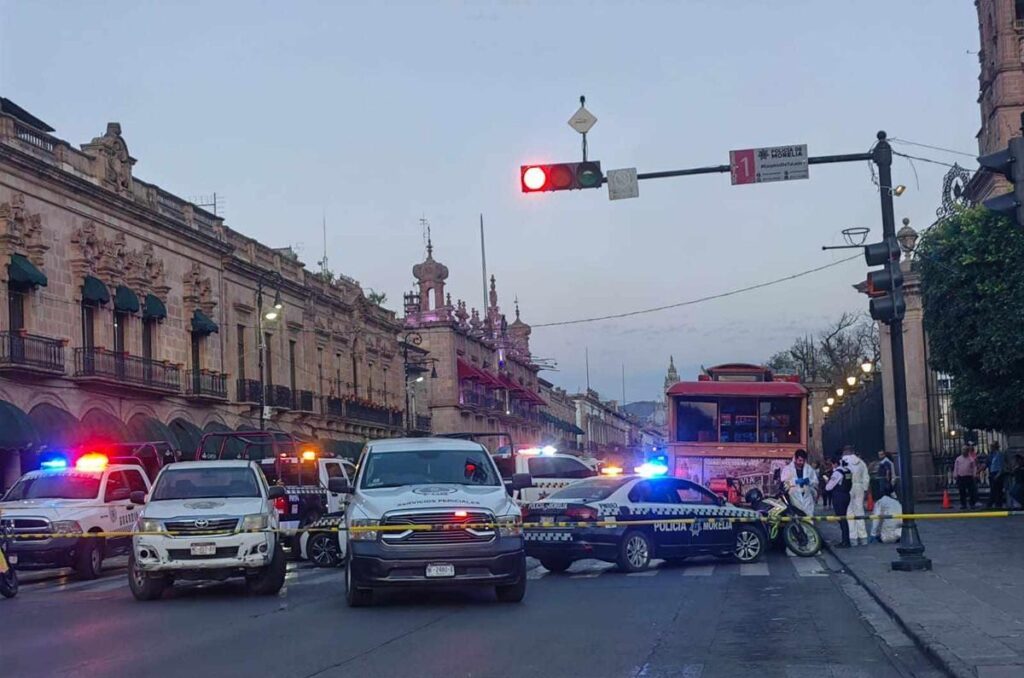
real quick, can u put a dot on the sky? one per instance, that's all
(379, 114)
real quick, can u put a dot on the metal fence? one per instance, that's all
(859, 420)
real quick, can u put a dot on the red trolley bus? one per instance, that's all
(735, 427)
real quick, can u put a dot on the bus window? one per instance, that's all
(739, 420)
(780, 420)
(697, 421)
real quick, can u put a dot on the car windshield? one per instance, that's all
(206, 483)
(419, 467)
(593, 489)
(55, 486)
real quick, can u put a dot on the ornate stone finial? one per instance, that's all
(517, 306)
(494, 293)
(448, 300)
(907, 238)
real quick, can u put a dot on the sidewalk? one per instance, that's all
(968, 612)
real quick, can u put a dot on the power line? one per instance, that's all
(701, 299)
(917, 157)
(934, 148)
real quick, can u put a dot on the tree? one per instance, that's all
(833, 354)
(377, 298)
(972, 286)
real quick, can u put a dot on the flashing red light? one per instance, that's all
(308, 455)
(92, 461)
(461, 514)
(281, 504)
(583, 513)
(535, 178)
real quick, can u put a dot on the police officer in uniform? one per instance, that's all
(840, 485)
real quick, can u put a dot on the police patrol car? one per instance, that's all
(633, 498)
(92, 496)
(548, 469)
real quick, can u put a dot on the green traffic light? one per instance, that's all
(588, 174)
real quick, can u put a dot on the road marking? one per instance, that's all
(699, 571)
(808, 567)
(754, 569)
(643, 573)
(108, 585)
(322, 577)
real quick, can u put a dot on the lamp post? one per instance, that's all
(270, 315)
(415, 366)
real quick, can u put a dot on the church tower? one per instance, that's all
(672, 376)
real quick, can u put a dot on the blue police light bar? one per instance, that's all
(651, 469)
(55, 462)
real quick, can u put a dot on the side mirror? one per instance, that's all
(339, 486)
(521, 481)
(120, 494)
(276, 492)
(138, 497)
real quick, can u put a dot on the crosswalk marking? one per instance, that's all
(112, 584)
(808, 567)
(699, 571)
(536, 573)
(754, 569)
(644, 573)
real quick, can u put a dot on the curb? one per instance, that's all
(934, 650)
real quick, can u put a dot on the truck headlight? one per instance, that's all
(255, 521)
(66, 527)
(148, 525)
(358, 532)
(510, 526)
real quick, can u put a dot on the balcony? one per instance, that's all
(303, 401)
(422, 423)
(120, 371)
(279, 396)
(206, 385)
(248, 390)
(372, 413)
(333, 407)
(21, 352)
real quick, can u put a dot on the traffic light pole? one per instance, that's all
(910, 550)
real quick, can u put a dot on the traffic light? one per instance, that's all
(885, 286)
(1010, 163)
(565, 176)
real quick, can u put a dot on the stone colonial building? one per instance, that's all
(486, 381)
(131, 314)
(559, 419)
(608, 433)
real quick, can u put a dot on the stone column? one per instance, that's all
(915, 359)
(816, 395)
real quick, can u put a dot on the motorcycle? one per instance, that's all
(783, 519)
(8, 576)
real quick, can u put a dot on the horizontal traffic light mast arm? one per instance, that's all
(723, 169)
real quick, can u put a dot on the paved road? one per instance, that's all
(781, 617)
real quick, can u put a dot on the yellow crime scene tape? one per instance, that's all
(609, 523)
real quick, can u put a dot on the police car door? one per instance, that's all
(656, 498)
(116, 497)
(710, 529)
(335, 500)
(553, 473)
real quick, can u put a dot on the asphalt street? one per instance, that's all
(783, 616)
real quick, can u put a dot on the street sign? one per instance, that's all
(582, 120)
(775, 163)
(622, 183)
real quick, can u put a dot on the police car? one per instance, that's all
(66, 501)
(639, 499)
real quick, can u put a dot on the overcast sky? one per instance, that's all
(380, 113)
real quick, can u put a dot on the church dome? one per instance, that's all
(430, 270)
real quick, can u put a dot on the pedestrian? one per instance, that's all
(840, 483)
(883, 528)
(996, 476)
(882, 475)
(1017, 486)
(861, 480)
(800, 482)
(965, 470)
(826, 473)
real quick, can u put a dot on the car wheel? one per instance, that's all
(635, 551)
(143, 586)
(323, 550)
(271, 578)
(89, 558)
(749, 544)
(556, 565)
(9, 583)
(356, 596)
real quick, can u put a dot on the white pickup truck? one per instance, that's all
(207, 520)
(50, 508)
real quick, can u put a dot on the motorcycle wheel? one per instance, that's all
(802, 539)
(9, 584)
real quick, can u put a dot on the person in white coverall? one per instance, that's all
(861, 480)
(800, 482)
(883, 528)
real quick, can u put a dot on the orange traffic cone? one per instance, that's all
(871, 503)
(946, 503)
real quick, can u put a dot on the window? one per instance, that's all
(206, 483)
(337, 374)
(780, 420)
(697, 421)
(594, 489)
(196, 352)
(16, 309)
(115, 482)
(559, 467)
(147, 338)
(291, 364)
(88, 325)
(241, 351)
(320, 369)
(120, 326)
(135, 481)
(420, 467)
(355, 374)
(661, 491)
(384, 380)
(369, 382)
(688, 493)
(334, 471)
(738, 418)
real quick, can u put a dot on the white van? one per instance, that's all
(431, 481)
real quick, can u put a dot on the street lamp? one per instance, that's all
(830, 401)
(271, 315)
(825, 408)
(416, 366)
(851, 381)
(866, 366)
(840, 391)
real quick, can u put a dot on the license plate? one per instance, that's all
(547, 520)
(441, 570)
(203, 549)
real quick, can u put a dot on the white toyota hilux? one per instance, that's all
(207, 520)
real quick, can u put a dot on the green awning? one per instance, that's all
(154, 308)
(94, 291)
(16, 429)
(202, 324)
(23, 274)
(125, 300)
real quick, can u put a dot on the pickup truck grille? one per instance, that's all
(186, 554)
(474, 535)
(28, 526)
(192, 527)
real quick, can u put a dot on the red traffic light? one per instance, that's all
(563, 176)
